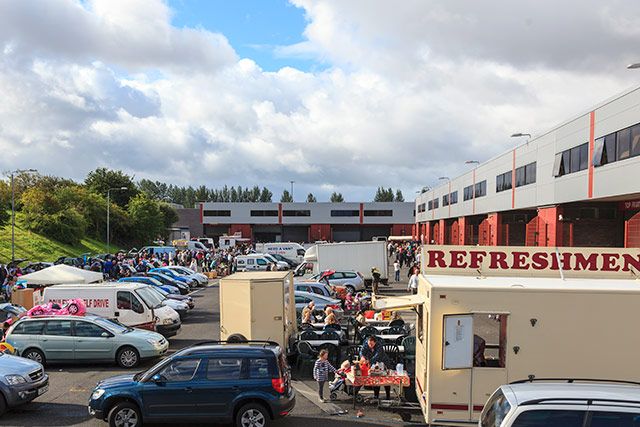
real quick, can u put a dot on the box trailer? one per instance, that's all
(258, 306)
(357, 256)
(543, 313)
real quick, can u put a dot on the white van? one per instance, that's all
(293, 251)
(258, 262)
(157, 250)
(132, 304)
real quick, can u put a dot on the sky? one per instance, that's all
(335, 95)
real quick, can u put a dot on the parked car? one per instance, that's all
(189, 273)
(72, 261)
(351, 280)
(182, 308)
(35, 266)
(248, 384)
(151, 281)
(83, 339)
(321, 302)
(166, 280)
(10, 311)
(184, 298)
(569, 404)
(175, 276)
(315, 288)
(21, 381)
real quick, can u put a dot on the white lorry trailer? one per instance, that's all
(357, 256)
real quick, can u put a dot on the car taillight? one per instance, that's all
(278, 385)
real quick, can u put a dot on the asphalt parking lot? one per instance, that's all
(65, 404)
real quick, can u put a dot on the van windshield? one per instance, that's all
(495, 410)
(150, 298)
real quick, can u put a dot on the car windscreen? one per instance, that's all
(495, 411)
(111, 325)
(150, 298)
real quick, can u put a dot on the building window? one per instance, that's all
(619, 145)
(436, 203)
(503, 182)
(572, 160)
(453, 199)
(520, 176)
(467, 193)
(481, 189)
(624, 144)
(378, 212)
(430, 204)
(530, 173)
(421, 207)
(345, 213)
(296, 213)
(264, 213)
(216, 213)
(445, 200)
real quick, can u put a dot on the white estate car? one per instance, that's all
(579, 403)
(187, 272)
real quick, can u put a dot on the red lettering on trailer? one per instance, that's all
(586, 263)
(457, 259)
(519, 261)
(631, 261)
(610, 262)
(498, 260)
(539, 261)
(476, 258)
(436, 257)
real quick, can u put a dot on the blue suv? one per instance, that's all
(247, 383)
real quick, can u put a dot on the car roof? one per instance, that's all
(532, 393)
(312, 295)
(229, 349)
(61, 317)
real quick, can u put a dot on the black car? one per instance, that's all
(166, 280)
(247, 383)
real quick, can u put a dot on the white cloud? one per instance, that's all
(412, 89)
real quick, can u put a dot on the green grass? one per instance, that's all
(36, 247)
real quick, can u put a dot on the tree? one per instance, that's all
(155, 189)
(383, 195)
(311, 198)
(147, 220)
(336, 197)
(5, 203)
(399, 196)
(286, 197)
(102, 179)
(265, 195)
(170, 217)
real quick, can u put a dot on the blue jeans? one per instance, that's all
(398, 276)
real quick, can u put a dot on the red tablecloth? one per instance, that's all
(375, 380)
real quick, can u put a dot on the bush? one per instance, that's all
(67, 226)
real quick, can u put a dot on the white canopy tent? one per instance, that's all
(60, 274)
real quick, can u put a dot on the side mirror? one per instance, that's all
(106, 335)
(158, 379)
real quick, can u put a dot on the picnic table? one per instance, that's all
(319, 342)
(390, 379)
(340, 333)
(391, 337)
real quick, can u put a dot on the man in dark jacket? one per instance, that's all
(373, 352)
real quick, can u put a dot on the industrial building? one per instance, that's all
(577, 184)
(299, 222)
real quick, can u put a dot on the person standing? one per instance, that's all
(413, 282)
(396, 269)
(321, 370)
(376, 280)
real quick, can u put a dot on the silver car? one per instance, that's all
(83, 339)
(187, 272)
(321, 302)
(319, 288)
(352, 280)
(21, 381)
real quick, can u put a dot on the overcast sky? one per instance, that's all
(334, 94)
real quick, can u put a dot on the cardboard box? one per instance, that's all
(23, 297)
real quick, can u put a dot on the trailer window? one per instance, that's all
(489, 340)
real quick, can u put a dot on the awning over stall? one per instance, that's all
(405, 302)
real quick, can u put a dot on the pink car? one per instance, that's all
(74, 307)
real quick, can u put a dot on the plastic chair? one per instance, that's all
(409, 344)
(367, 331)
(306, 355)
(397, 322)
(330, 335)
(305, 326)
(308, 335)
(394, 330)
(353, 352)
(334, 353)
(392, 351)
(333, 326)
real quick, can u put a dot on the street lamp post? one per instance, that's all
(292, 182)
(13, 210)
(108, 206)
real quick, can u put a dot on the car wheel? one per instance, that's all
(125, 414)
(351, 288)
(128, 357)
(34, 354)
(252, 415)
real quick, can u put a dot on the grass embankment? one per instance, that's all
(36, 247)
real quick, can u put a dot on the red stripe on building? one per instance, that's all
(279, 213)
(513, 180)
(592, 129)
(361, 213)
(201, 213)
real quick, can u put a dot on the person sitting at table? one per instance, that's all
(395, 315)
(307, 313)
(330, 318)
(373, 352)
